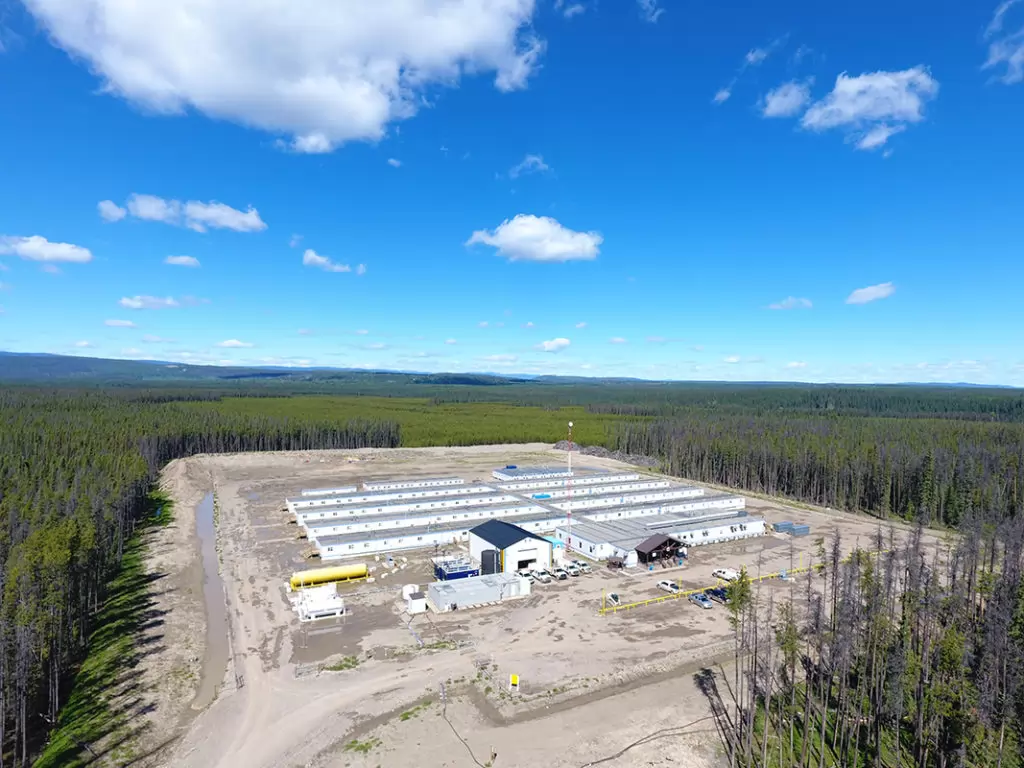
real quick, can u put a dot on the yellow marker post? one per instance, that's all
(513, 682)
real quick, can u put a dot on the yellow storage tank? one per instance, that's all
(319, 576)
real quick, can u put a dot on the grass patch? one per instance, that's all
(348, 662)
(441, 645)
(362, 747)
(101, 713)
(409, 714)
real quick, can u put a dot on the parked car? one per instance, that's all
(572, 569)
(701, 600)
(726, 574)
(525, 573)
(719, 595)
(542, 576)
(584, 567)
(560, 573)
(612, 598)
(669, 586)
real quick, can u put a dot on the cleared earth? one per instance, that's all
(375, 688)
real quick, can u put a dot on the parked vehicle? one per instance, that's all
(669, 586)
(612, 598)
(726, 574)
(542, 576)
(525, 573)
(572, 569)
(560, 573)
(584, 567)
(701, 600)
(719, 595)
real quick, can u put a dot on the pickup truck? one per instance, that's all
(560, 573)
(572, 569)
(726, 574)
(542, 576)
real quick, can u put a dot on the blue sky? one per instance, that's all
(689, 190)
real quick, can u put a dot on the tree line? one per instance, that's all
(76, 468)
(904, 659)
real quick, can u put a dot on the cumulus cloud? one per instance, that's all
(37, 248)
(722, 95)
(755, 57)
(83, 344)
(528, 324)
(394, 162)
(235, 344)
(554, 345)
(1005, 49)
(792, 302)
(149, 302)
(786, 100)
(313, 259)
(539, 238)
(731, 359)
(320, 74)
(529, 164)
(195, 215)
(119, 323)
(871, 293)
(182, 261)
(110, 211)
(581, 325)
(873, 106)
(616, 340)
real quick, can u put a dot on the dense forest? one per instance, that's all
(77, 463)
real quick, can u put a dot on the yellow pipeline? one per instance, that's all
(319, 576)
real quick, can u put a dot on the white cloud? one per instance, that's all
(731, 359)
(1005, 49)
(656, 340)
(616, 340)
(571, 10)
(554, 345)
(313, 259)
(792, 302)
(394, 163)
(529, 324)
(235, 344)
(500, 358)
(878, 135)
(376, 345)
(319, 73)
(871, 293)
(305, 332)
(294, 240)
(873, 106)
(51, 269)
(195, 215)
(786, 100)
(649, 10)
(131, 352)
(697, 347)
(119, 323)
(151, 339)
(362, 332)
(148, 302)
(722, 95)
(581, 325)
(83, 344)
(360, 269)
(482, 324)
(182, 261)
(451, 341)
(539, 238)
(110, 211)
(797, 364)
(529, 164)
(36, 248)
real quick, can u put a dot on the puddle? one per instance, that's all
(215, 661)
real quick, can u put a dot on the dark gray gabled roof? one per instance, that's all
(502, 535)
(657, 541)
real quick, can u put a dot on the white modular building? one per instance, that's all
(618, 538)
(388, 522)
(401, 508)
(627, 499)
(517, 548)
(329, 491)
(425, 482)
(377, 497)
(704, 507)
(592, 490)
(476, 591)
(365, 543)
(531, 473)
(577, 480)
